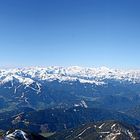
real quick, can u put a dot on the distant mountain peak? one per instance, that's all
(84, 75)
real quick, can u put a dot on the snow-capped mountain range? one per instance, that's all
(36, 88)
(97, 76)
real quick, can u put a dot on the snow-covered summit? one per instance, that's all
(28, 76)
(17, 134)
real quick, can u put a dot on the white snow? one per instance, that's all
(83, 132)
(113, 126)
(104, 132)
(130, 135)
(83, 103)
(100, 127)
(112, 136)
(17, 132)
(95, 76)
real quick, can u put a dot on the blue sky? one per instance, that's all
(70, 32)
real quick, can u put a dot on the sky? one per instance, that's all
(89, 33)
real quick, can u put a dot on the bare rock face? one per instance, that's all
(108, 130)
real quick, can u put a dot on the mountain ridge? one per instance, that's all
(95, 76)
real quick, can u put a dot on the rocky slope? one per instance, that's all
(41, 88)
(109, 130)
